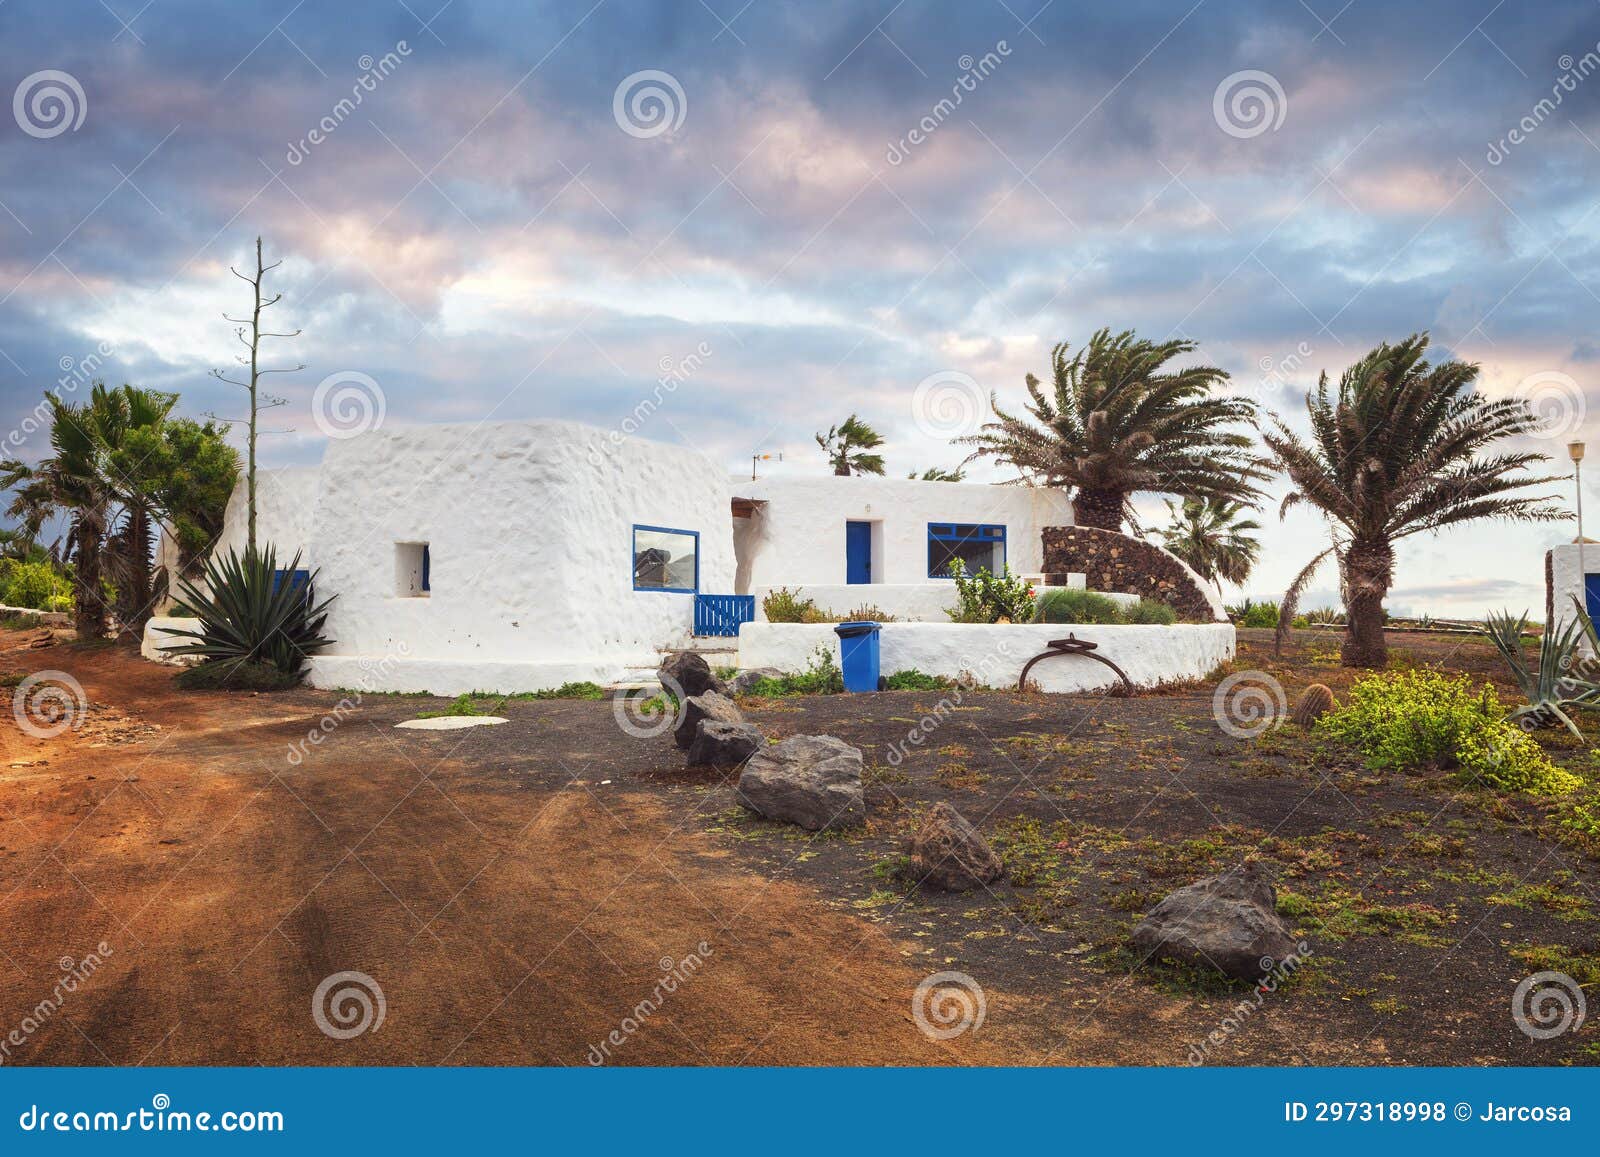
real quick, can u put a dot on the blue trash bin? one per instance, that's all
(858, 655)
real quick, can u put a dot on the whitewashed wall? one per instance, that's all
(911, 602)
(798, 538)
(1566, 580)
(994, 655)
(531, 562)
(285, 499)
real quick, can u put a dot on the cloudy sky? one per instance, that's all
(498, 211)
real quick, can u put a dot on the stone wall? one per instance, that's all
(1118, 562)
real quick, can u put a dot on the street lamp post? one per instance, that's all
(1575, 452)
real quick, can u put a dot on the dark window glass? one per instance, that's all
(978, 546)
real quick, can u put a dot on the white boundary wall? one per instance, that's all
(157, 635)
(994, 655)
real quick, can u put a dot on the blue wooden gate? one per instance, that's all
(722, 614)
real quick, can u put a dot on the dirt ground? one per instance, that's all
(520, 892)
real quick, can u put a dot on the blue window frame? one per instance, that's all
(666, 560)
(976, 544)
(427, 563)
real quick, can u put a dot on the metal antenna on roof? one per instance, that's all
(754, 458)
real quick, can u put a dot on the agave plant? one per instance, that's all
(250, 615)
(1559, 683)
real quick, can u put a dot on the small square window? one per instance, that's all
(666, 560)
(412, 562)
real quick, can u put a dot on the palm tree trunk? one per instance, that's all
(138, 599)
(1100, 509)
(1368, 570)
(88, 597)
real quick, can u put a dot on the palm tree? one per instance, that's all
(118, 414)
(935, 474)
(1394, 453)
(1211, 536)
(70, 481)
(111, 513)
(1115, 423)
(846, 444)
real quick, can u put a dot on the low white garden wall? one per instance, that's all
(157, 634)
(909, 602)
(994, 655)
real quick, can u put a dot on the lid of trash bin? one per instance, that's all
(850, 630)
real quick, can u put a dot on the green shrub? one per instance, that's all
(786, 606)
(583, 689)
(35, 585)
(989, 598)
(1407, 720)
(867, 613)
(914, 680)
(1151, 611)
(821, 677)
(1259, 615)
(1072, 606)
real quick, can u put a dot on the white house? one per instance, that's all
(889, 542)
(510, 556)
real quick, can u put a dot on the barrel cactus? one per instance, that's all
(1315, 702)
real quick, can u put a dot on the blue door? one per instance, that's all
(858, 552)
(1591, 596)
